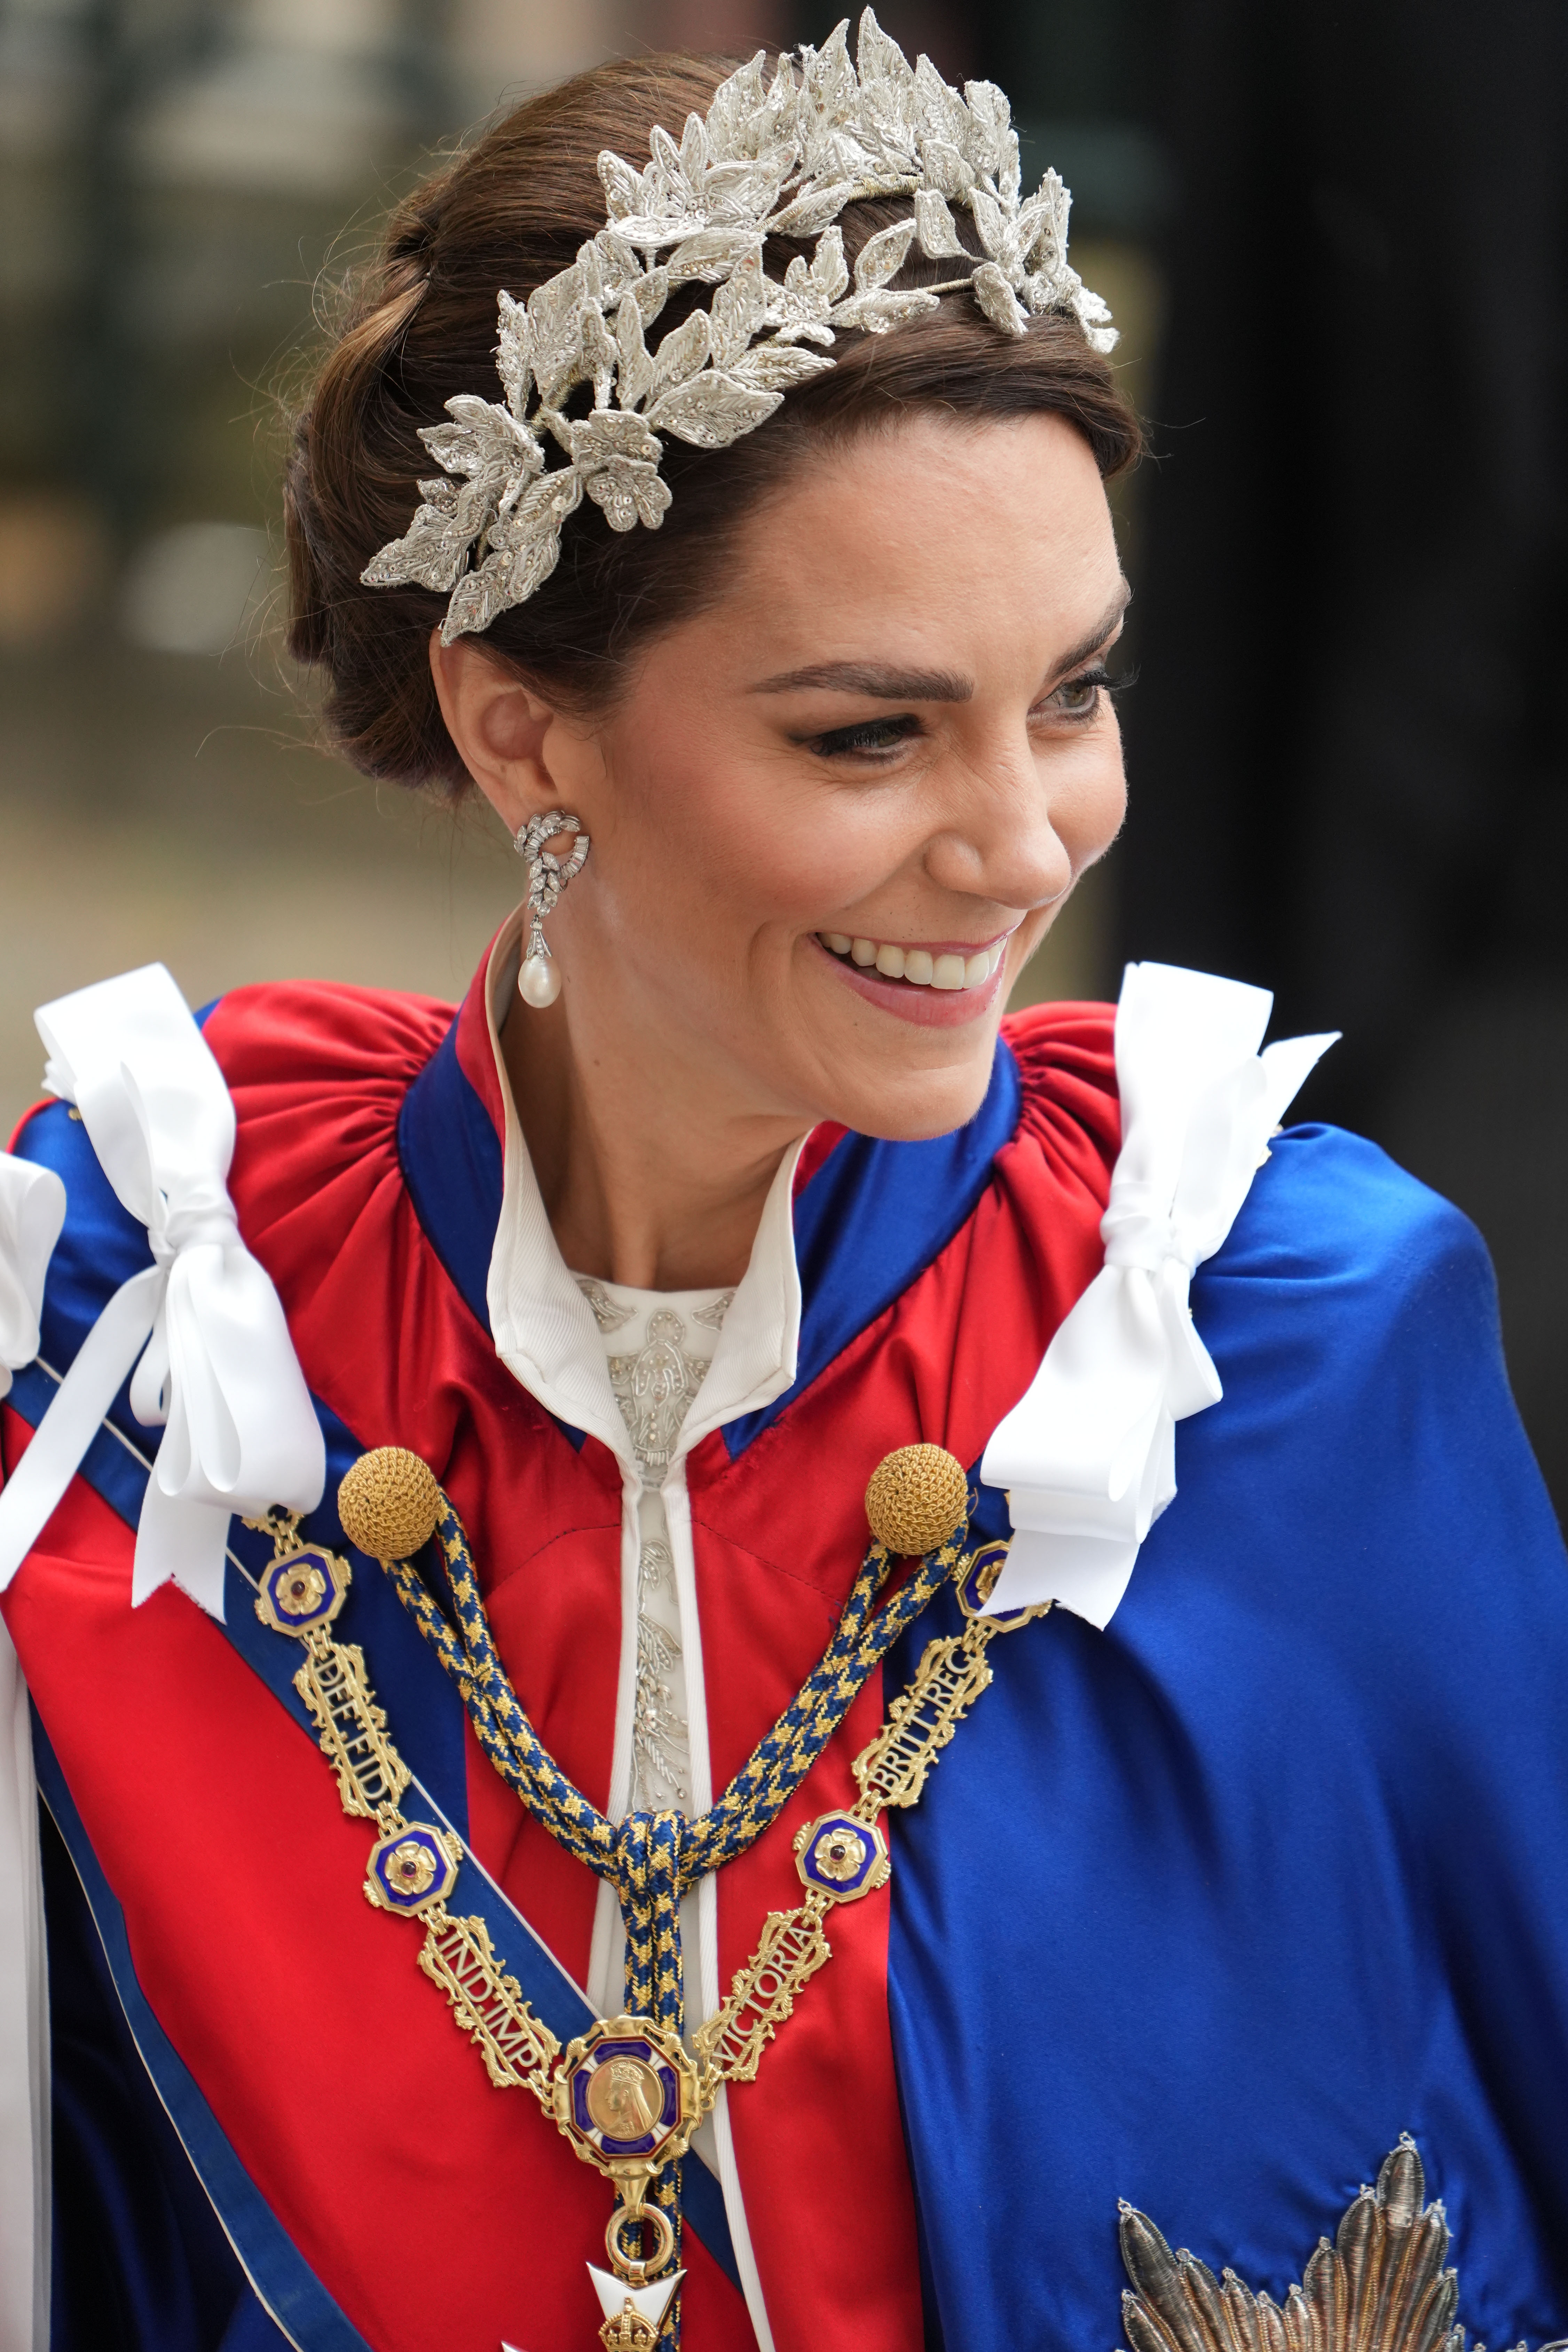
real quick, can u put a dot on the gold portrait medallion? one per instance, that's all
(626, 2099)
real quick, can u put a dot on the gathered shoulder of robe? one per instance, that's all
(1198, 1915)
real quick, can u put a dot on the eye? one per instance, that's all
(1078, 699)
(873, 738)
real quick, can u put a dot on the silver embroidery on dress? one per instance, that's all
(607, 1314)
(660, 1732)
(654, 1389)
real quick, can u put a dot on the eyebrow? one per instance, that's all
(884, 683)
(878, 679)
(1097, 635)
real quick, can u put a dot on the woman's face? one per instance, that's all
(834, 815)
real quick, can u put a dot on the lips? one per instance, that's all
(929, 1002)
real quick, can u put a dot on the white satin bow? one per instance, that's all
(217, 1369)
(1087, 1454)
(32, 1210)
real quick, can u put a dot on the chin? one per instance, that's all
(911, 1105)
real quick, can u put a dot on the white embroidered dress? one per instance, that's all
(649, 1374)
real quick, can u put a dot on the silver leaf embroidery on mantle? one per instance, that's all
(1379, 2285)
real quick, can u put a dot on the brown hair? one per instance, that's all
(420, 325)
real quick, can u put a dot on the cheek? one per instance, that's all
(696, 863)
(750, 845)
(1090, 801)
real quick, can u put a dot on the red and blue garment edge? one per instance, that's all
(1201, 1912)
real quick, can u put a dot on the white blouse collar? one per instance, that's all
(543, 1327)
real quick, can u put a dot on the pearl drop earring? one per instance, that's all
(539, 981)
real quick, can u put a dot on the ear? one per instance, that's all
(504, 730)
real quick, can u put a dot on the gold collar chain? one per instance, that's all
(628, 2095)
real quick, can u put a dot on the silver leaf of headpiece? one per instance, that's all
(771, 159)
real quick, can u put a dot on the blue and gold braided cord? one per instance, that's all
(760, 1790)
(649, 1882)
(652, 1858)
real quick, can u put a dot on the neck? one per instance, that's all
(649, 1177)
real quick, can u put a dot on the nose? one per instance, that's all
(995, 834)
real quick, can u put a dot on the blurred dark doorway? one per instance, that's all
(1347, 744)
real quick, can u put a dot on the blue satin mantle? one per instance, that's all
(1203, 1911)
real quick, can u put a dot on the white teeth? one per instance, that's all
(918, 965)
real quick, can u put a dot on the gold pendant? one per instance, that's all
(628, 2097)
(633, 2316)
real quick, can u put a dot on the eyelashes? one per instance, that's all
(1074, 703)
(872, 736)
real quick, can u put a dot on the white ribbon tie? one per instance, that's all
(203, 1326)
(1087, 1454)
(32, 1211)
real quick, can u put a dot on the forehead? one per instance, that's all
(930, 525)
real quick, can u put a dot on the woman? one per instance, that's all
(760, 575)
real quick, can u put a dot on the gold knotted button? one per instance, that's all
(389, 1503)
(917, 1499)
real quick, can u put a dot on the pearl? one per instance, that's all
(539, 981)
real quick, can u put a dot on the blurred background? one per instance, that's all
(1335, 243)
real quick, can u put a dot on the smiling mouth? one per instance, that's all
(921, 967)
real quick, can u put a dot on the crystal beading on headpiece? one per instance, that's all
(771, 160)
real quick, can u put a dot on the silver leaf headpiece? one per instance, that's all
(779, 159)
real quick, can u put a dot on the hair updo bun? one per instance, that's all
(420, 326)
